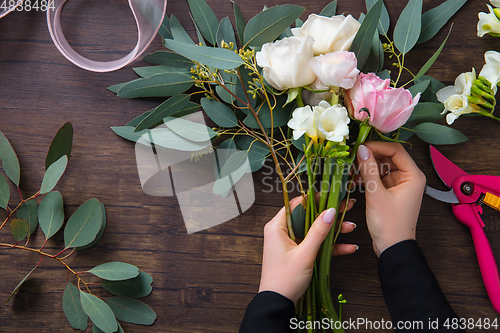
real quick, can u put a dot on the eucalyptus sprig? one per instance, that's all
(82, 230)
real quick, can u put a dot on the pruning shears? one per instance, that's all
(467, 194)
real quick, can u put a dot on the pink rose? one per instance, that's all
(389, 107)
(336, 69)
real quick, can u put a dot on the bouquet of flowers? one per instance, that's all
(306, 96)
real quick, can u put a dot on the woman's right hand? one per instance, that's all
(394, 186)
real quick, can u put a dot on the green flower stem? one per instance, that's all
(300, 102)
(326, 251)
(489, 115)
(325, 183)
(364, 131)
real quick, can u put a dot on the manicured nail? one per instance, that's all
(329, 215)
(351, 223)
(353, 200)
(363, 153)
(357, 247)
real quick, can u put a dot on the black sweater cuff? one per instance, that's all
(411, 290)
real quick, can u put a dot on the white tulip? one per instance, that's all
(302, 122)
(331, 121)
(330, 33)
(285, 63)
(488, 23)
(336, 69)
(491, 70)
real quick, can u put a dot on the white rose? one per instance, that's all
(285, 62)
(302, 122)
(336, 69)
(488, 23)
(330, 33)
(331, 121)
(491, 70)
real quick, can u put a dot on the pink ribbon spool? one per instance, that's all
(148, 15)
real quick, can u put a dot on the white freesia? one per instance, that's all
(285, 62)
(330, 33)
(302, 122)
(455, 98)
(335, 69)
(495, 3)
(491, 70)
(488, 23)
(331, 121)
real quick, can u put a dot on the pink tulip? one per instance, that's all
(389, 107)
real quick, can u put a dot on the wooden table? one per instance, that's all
(202, 281)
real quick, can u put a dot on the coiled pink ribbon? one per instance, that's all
(148, 15)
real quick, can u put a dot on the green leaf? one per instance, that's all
(256, 151)
(53, 174)
(201, 40)
(4, 192)
(423, 113)
(224, 150)
(384, 75)
(362, 43)
(19, 229)
(438, 134)
(131, 310)
(148, 71)
(61, 145)
(432, 59)
(240, 21)
(160, 85)
(407, 28)
(209, 56)
(167, 138)
(170, 59)
(299, 221)
(230, 82)
(232, 171)
(373, 61)
(269, 24)
(434, 19)
(10, 163)
(84, 224)
(329, 9)
(299, 23)
(169, 107)
(99, 234)
(178, 31)
(72, 307)
(281, 115)
(241, 90)
(429, 94)
(20, 284)
(115, 271)
(226, 33)
(118, 86)
(137, 287)
(419, 87)
(128, 132)
(299, 144)
(205, 19)
(384, 20)
(164, 30)
(190, 130)
(99, 312)
(51, 214)
(405, 134)
(220, 113)
(29, 212)
(96, 329)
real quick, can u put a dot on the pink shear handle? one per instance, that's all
(469, 216)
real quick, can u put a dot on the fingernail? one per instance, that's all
(351, 223)
(357, 247)
(363, 153)
(353, 200)
(329, 215)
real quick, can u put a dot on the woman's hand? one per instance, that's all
(287, 267)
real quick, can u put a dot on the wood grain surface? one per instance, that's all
(202, 281)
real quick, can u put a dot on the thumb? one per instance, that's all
(368, 169)
(317, 233)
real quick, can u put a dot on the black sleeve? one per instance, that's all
(411, 290)
(268, 312)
